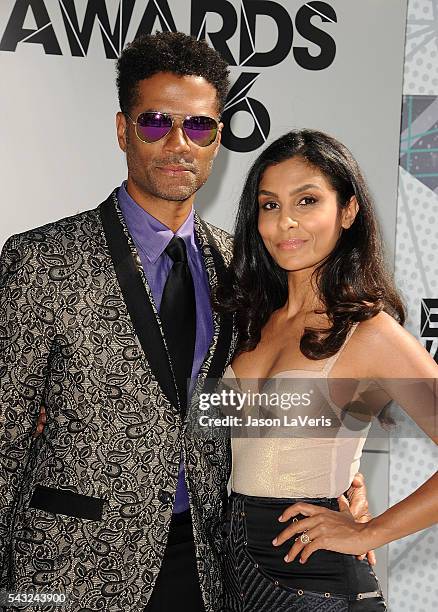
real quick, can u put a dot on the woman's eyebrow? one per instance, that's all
(293, 192)
(268, 193)
(304, 187)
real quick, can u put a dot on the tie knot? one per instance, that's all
(176, 249)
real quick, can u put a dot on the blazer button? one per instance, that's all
(164, 496)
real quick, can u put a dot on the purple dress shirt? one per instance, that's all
(151, 237)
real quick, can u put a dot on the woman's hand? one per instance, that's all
(323, 529)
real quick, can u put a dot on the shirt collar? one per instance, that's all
(149, 234)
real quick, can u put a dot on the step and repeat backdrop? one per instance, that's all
(413, 561)
(334, 65)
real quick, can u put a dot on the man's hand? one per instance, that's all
(42, 419)
(357, 499)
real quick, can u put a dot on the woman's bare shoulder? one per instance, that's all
(390, 350)
(383, 325)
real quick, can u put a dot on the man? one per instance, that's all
(104, 317)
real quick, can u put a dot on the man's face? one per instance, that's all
(173, 168)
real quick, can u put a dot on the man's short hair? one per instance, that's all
(169, 52)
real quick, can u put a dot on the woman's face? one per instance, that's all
(299, 218)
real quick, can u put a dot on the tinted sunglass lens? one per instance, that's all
(201, 130)
(153, 126)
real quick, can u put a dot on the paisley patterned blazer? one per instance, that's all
(85, 507)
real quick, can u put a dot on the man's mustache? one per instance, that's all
(176, 161)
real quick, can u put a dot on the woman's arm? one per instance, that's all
(409, 375)
(403, 368)
(337, 531)
(417, 511)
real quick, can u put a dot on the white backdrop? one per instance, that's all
(59, 151)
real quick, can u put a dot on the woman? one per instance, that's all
(312, 300)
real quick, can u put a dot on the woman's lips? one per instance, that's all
(291, 245)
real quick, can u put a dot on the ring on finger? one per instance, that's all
(305, 539)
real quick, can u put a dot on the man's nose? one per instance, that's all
(176, 140)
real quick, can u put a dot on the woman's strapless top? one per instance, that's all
(298, 465)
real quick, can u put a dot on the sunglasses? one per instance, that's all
(152, 126)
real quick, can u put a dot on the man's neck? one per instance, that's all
(170, 213)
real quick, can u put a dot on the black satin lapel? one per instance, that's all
(137, 300)
(220, 356)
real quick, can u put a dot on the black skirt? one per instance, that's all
(257, 579)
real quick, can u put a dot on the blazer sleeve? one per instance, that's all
(26, 333)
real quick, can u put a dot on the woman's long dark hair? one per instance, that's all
(352, 281)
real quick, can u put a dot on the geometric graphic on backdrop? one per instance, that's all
(429, 318)
(421, 65)
(416, 257)
(429, 325)
(419, 139)
(431, 347)
(413, 561)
